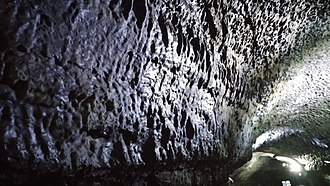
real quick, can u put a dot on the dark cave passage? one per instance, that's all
(156, 92)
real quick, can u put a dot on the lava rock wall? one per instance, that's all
(132, 87)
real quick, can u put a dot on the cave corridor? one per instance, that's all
(160, 92)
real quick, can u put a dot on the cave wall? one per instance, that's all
(296, 117)
(125, 85)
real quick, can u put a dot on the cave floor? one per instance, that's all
(267, 169)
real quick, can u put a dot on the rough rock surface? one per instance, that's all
(297, 112)
(139, 92)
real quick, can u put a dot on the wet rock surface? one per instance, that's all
(266, 169)
(139, 92)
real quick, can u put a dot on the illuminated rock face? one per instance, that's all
(149, 91)
(297, 112)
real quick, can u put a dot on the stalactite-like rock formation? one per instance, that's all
(148, 91)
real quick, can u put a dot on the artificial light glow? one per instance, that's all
(295, 167)
(286, 183)
(304, 162)
(293, 164)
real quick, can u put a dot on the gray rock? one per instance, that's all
(139, 92)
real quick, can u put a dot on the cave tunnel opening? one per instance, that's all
(161, 92)
(291, 143)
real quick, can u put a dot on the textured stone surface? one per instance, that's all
(139, 90)
(299, 106)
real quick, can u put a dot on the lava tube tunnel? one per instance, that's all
(160, 92)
